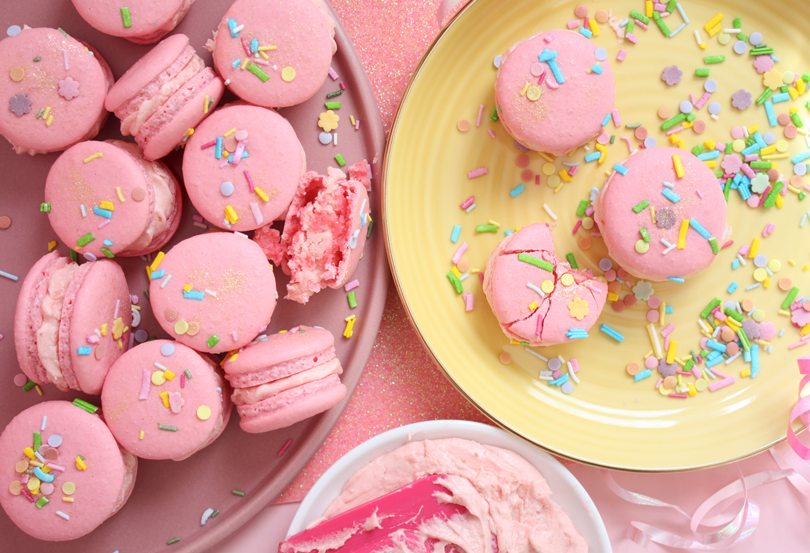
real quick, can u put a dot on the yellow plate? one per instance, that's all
(609, 420)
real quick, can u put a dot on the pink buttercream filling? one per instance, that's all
(131, 468)
(255, 394)
(48, 331)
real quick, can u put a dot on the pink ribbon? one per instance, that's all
(446, 8)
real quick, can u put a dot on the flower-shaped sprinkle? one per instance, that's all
(751, 329)
(766, 331)
(741, 99)
(667, 369)
(176, 401)
(68, 88)
(760, 183)
(763, 64)
(671, 75)
(665, 218)
(800, 316)
(328, 121)
(578, 309)
(772, 79)
(643, 290)
(731, 164)
(19, 104)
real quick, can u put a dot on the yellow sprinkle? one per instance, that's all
(287, 74)
(752, 129)
(612, 296)
(648, 354)
(39, 390)
(264, 55)
(455, 271)
(205, 104)
(546, 157)
(716, 29)
(710, 163)
(687, 124)
(775, 156)
(230, 132)
(791, 262)
(107, 205)
(120, 344)
(245, 63)
(351, 118)
(350, 318)
(654, 341)
(46, 112)
(594, 27)
(662, 313)
(764, 342)
(533, 306)
(231, 215)
(29, 452)
(120, 194)
(266, 48)
(806, 329)
(187, 288)
(189, 132)
(564, 175)
(793, 93)
(225, 153)
(682, 233)
(348, 331)
(80, 464)
(104, 329)
(794, 190)
(673, 347)
(494, 223)
(157, 260)
(600, 148)
(779, 201)
(261, 194)
(559, 187)
(652, 214)
(673, 139)
(165, 397)
(745, 373)
(52, 245)
(676, 161)
(90, 158)
(703, 46)
(692, 389)
(50, 120)
(752, 253)
(710, 144)
(784, 312)
(648, 8)
(67, 499)
(800, 87)
(168, 375)
(681, 362)
(141, 436)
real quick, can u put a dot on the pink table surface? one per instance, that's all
(401, 384)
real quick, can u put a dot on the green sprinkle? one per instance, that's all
(644, 234)
(714, 245)
(744, 339)
(790, 297)
(672, 6)
(641, 205)
(733, 314)
(455, 282)
(770, 199)
(701, 72)
(215, 513)
(126, 17)
(89, 407)
(737, 23)
(61, 30)
(661, 25)
(689, 365)
(802, 196)
(36, 59)
(633, 126)
(332, 105)
(29, 386)
(691, 117)
(709, 308)
(714, 59)
(45, 207)
(631, 25)
(335, 93)
(238, 492)
(697, 150)
(784, 88)
(742, 36)
(352, 300)
(583, 206)
(531, 260)
(572, 260)
(718, 173)
(256, 70)
(494, 116)
(86, 239)
(486, 228)
(764, 96)
(41, 111)
(640, 16)
(727, 189)
(761, 164)
(761, 51)
(704, 353)
(672, 122)
(612, 138)
(370, 224)
(167, 427)
(212, 341)
(37, 441)
(146, 293)
(729, 149)
(107, 253)
(173, 540)
(796, 119)
(41, 502)
(340, 160)
(187, 373)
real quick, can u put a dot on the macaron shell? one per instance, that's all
(352, 248)
(232, 267)
(73, 119)
(127, 415)
(154, 62)
(183, 111)
(292, 406)
(275, 164)
(90, 302)
(98, 489)
(72, 183)
(303, 39)
(619, 224)
(149, 19)
(560, 119)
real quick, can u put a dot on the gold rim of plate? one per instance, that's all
(608, 421)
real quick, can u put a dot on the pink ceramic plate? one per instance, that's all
(170, 498)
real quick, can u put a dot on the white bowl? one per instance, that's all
(567, 491)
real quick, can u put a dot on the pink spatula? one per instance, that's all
(404, 509)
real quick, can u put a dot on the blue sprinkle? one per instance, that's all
(597, 69)
(733, 286)
(456, 233)
(108, 243)
(102, 212)
(642, 375)
(621, 169)
(676, 279)
(716, 346)
(232, 26)
(754, 360)
(547, 55)
(9, 276)
(254, 45)
(593, 156)
(698, 227)
(759, 138)
(783, 97)
(735, 264)
(606, 120)
(751, 149)
(516, 191)
(585, 32)
(85, 350)
(801, 157)
(560, 381)
(556, 70)
(218, 151)
(755, 285)
(158, 274)
(671, 196)
(714, 154)
(771, 115)
(669, 310)
(612, 333)
(193, 295)
(236, 63)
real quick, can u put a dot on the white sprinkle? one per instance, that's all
(570, 164)
(464, 276)
(334, 136)
(571, 372)
(84, 212)
(257, 214)
(165, 281)
(536, 354)
(541, 377)
(536, 289)
(117, 307)
(741, 259)
(733, 357)
(550, 213)
(159, 366)
(745, 130)
(697, 38)
(210, 292)
(732, 31)
(715, 117)
(240, 234)
(205, 516)
(807, 140)
(44, 422)
(63, 515)
(668, 184)
(234, 336)
(470, 208)
(237, 29)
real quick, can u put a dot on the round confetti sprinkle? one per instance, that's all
(463, 266)
(547, 286)
(17, 74)
(727, 334)
(653, 316)
(650, 142)
(14, 30)
(769, 138)
(740, 47)
(633, 369)
(241, 135)
(497, 61)
(732, 348)
(790, 131)
(663, 113)
(781, 145)
(581, 11)
(800, 169)
(287, 74)
(640, 133)
(724, 38)
(664, 391)
(806, 305)
(602, 16)
(326, 137)
(21, 466)
(654, 302)
(710, 86)
(738, 145)
(758, 315)
(20, 380)
(526, 175)
(522, 161)
(737, 133)
(670, 382)
(15, 488)
(755, 39)
(68, 488)
(505, 358)
(760, 274)
(33, 483)
(167, 349)
(601, 54)
(715, 108)
(685, 106)
(773, 174)
(463, 125)
(203, 412)
(618, 306)
(98, 352)
(760, 260)
(783, 119)
(585, 243)
(642, 246)
(554, 364)
(630, 300)
(54, 440)
(567, 279)
(141, 336)
(610, 275)
(651, 362)
(548, 169)
(567, 387)
(605, 264)
(615, 287)
(170, 314)
(46, 488)
(138, 194)
(536, 69)
(226, 188)
(180, 327)
(701, 384)
(50, 453)
(587, 223)
(553, 181)
(784, 284)
(788, 77)
(775, 265)
(193, 328)
(747, 305)
(622, 273)
(534, 93)
(158, 379)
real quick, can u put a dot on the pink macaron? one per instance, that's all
(161, 98)
(63, 470)
(285, 378)
(54, 91)
(163, 400)
(108, 191)
(537, 297)
(139, 21)
(324, 232)
(553, 90)
(245, 158)
(275, 53)
(213, 292)
(651, 195)
(72, 322)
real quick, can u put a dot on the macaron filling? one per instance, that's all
(255, 394)
(288, 397)
(131, 468)
(47, 335)
(281, 370)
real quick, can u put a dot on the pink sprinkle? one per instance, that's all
(24, 479)
(703, 99)
(575, 364)
(641, 24)
(720, 147)
(469, 301)
(718, 373)
(617, 120)
(807, 187)
(699, 193)
(621, 55)
(587, 23)
(351, 285)
(748, 171)
(596, 234)
(67, 65)
(680, 396)
(200, 225)
(721, 383)
(480, 113)
(234, 336)
(481, 171)
(751, 157)
(692, 98)
(131, 340)
(20, 380)
(246, 47)
(541, 78)
(629, 144)
(257, 213)
(284, 447)
(249, 181)
(658, 384)
(574, 24)
(589, 211)
(117, 307)
(684, 373)
(468, 202)
(797, 344)
(557, 373)
(60, 468)
(696, 372)
(573, 170)
(459, 252)
(540, 320)
(660, 7)
(727, 244)
(537, 179)
(768, 230)
(744, 249)
(631, 37)
(342, 86)
(145, 385)
(481, 277)
(492, 134)
(92, 339)
(673, 131)
(551, 82)
(549, 37)
(333, 74)
(182, 380)
(666, 342)
(357, 124)
(223, 164)
(104, 223)
(576, 227)
(593, 288)
(240, 149)
(668, 329)
(261, 61)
